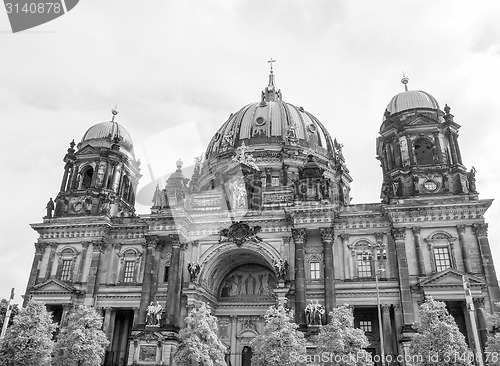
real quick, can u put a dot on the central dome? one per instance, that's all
(271, 122)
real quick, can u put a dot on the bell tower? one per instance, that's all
(101, 176)
(418, 149)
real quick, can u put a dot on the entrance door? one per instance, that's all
(246, 356)
(123, 326)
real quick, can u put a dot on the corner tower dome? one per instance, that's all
(104, 134)
(409, 100)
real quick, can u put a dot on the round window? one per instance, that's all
(260, 121)
(312, 128)
(430, 185)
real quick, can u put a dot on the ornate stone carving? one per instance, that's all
(379, 237)
(39, 248)
(281, 268)
(99, 246)
(299, 235)
(194, 270)
(386, 308)
(480, 229)
(399, 233)
(286, 239)
(326, 234)
(479, 302)
(416, 230)
(461, 229)
(344, 237)
(175, 239)
(239, 233)
(151, 240)
(242, 157)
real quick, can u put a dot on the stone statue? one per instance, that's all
(281, 268)
(50, 207)
(471, 177)
(194, 270)
(153, 314)
(314, 313)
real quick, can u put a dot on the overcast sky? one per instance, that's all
(178, 69)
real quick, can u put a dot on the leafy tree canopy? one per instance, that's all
(492, 351)
(29, 340)
(199, 343)
(281, 343)
(81, 341)
(339, 343)
(439, 341)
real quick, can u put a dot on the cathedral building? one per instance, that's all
(267, 216)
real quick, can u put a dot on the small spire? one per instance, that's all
(270, 93)
(405, 80)
(179, 164)
(114, 112)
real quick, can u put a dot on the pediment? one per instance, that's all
(421, 120)
(450, 278)
(53, 285)
(87, 150)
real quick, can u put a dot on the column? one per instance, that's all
(388, 156)
(155, 270)
(417, 238)
(439, 150)
(397, 152)
(398, 324)
(96, 171)
(65, 177)
(170, 316)
(83, 261)
(151, 241)
(387, 329)
(234, 323)
(451, 141)
(327, 239)
(104, 183)
(481, 231)
(346, 253)
(39, 251)
(106, 326)
(481, 320)
(457, 148)
(98, 248)
(285, 175)
(299, 237)
(411, 151)
(50, 263)
(178, 285)
(136, 317)
(463, 249)
(399, 235)
(74, 176)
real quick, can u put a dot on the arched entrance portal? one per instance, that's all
(240, 281)
(246, 356)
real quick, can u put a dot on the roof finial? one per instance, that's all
(271, 62)
(405, 80)
(114, 112)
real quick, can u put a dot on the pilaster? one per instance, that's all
(299, 238)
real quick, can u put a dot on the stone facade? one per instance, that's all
(267, 216)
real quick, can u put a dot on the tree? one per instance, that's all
(339, 343)
(199, 343)
(492, 351)
(3, 311)
(81, 341)
(281, 343)
(439, 340)
(29, 340)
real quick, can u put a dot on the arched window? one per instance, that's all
(129, 264)
(424, 152)
(441, 251)
(87, 176)
(67, 258)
